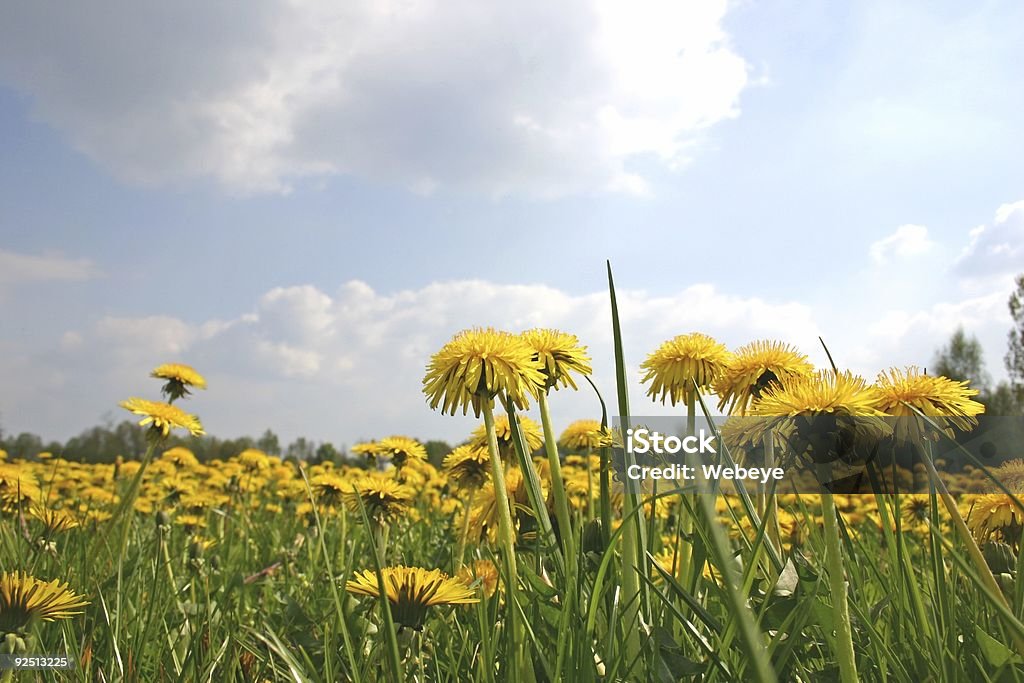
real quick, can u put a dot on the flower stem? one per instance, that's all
(460, 551)
(837, 587)
(505, 535)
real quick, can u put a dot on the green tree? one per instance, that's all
(962, 360)
(269, 443)
(1014, 358)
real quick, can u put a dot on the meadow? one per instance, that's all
(524, 557)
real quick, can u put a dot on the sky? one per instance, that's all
(304, 200)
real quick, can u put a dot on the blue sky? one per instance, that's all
(307, 199)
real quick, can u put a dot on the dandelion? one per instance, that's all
(25, 600)
(178, 379)
(681, 362)
(754, 368)
(54, 521)
(560, 354)
(468, 466)
(585, 436)
(484, 572)
(479, 365)
(905, 394)
(385, 500)
(163, 417)
(401, 449)
(367, 449)
(995, 516)
(412, 591)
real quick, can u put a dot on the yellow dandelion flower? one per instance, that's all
(480, 365)
(823, 392)
(1009, 473)
(825, 415)
(412, 591)
(178, 379)
(755, 367)
(330, 489)
(995, 516)
(946, 402)
(468, 466)
(530, 430)
(560, 354)
(54, 521)
(163, 417)
(401, 449)
(18, 487)
(191, 521)
(385, 500)
(483, 571)
(25, 600)
(367, 449)
(586, 436)
(180, 456)
(678, 363)
(254, 460)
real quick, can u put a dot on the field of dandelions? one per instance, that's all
(524, 557)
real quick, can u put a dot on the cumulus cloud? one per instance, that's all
(908, 240)
(17, 268)
(349, 364)
(535, 98)
(995, 250)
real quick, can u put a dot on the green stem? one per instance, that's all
(127, 510)
(837, 587)
(460, 551)
(557, 486)
(505, 535)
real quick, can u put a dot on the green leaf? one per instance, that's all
(996, 653)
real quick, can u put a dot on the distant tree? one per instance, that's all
(269, 443)
(301, 449)
(962, 360)
(326, 452)
(1014, 358)
(25, 445)
(436, 451)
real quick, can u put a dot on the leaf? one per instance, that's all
(995, 652)
(788, 581)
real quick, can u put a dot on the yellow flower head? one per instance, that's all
(468, 466)
(995, 515)
(822, 392)
(367, 449)
(561, 356)
(479, 365)
(682, 361)
(530, 430)
(18, 487)
(483, 571)
(753, 369)
(54, 521)
(385, 500)
(905, 392)
(401, 449)
(180, 456)
(826, 416)
(25, 599)
(178, 379)
(163, 417)
(412, 590)
(585, 436)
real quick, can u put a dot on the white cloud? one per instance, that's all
(537, 98)
(908, 240)
(997, 250)
(17, 268)
(350, 365)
